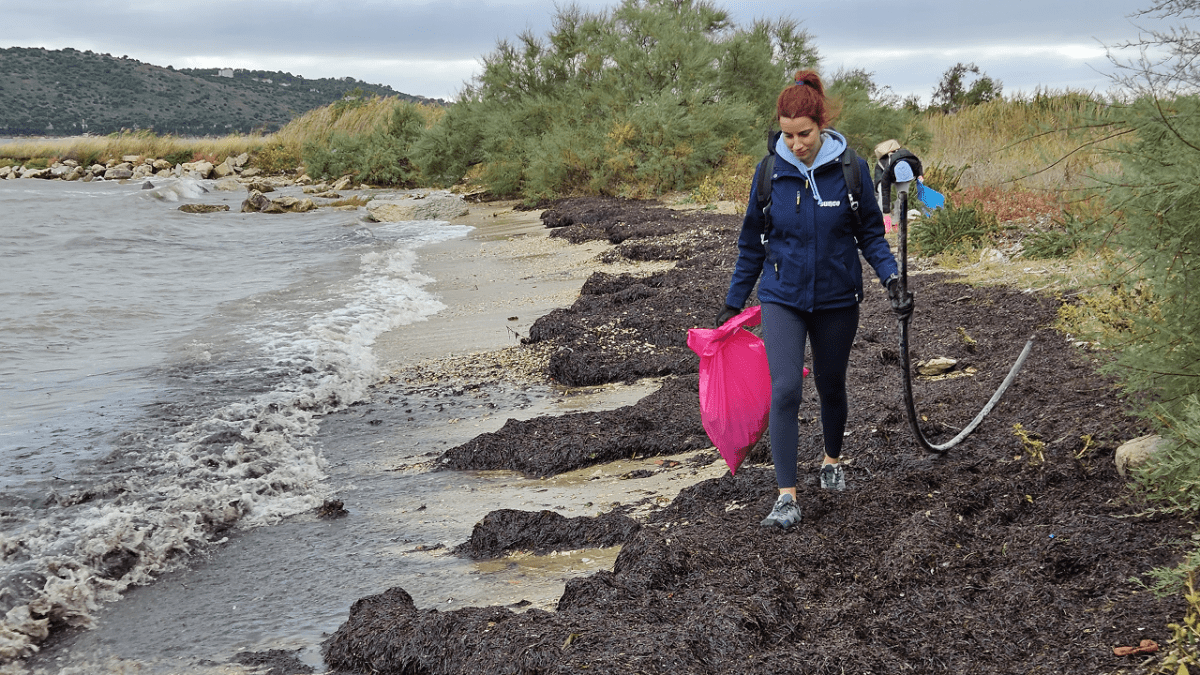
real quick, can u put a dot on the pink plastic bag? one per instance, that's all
(735, 385)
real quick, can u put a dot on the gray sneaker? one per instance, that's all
(785, 514)
(833, 477)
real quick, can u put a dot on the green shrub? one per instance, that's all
(953, 228)
(275, 158)
(1155, 231)
(867, 115)
(1067, 235)
(1171, 479)
(635, 101)
(88, 157)
(182, 156)
(380, 157)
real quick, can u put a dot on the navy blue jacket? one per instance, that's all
(814, 263)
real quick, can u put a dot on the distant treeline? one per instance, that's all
(68, 92)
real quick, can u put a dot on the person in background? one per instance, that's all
(804, 255)
(895, 166)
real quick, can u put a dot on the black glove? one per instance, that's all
(902, 304)
(726, 314)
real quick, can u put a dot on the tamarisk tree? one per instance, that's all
(636, 100)
(1157, 202)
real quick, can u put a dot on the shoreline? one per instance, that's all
(496, 282)
(401, 515)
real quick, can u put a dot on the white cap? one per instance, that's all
(903, 172)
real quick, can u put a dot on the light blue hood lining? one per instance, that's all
(832, 146)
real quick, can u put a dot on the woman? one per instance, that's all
(812, 283)
(895, 166)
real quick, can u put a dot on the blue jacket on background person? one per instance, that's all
(815, 237)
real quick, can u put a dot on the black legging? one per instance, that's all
(830, 333)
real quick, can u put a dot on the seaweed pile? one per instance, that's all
(1016, 552)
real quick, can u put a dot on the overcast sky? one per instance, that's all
(432, 48)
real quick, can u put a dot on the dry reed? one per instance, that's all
(1049, 142)
(354, 117)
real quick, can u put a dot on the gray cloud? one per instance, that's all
(430, 48)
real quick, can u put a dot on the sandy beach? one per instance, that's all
(496, 282)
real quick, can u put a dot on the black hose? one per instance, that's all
(905, 364)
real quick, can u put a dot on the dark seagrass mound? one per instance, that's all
(664, 423)
(273, 662)
(1013, 553)
(541, 532)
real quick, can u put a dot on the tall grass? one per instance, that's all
(348, 118)
(145, 144)
(1051, 141)
(273, 153)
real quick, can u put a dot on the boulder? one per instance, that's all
(119, 172)
(255, 201)
(438, 206)
(74, 174)
(222, 170)
(97, 169)
(37, 173)
(251, 172)
(294, 205)
(261, 186)
(160, 164)
(201, 170)
(142, 171)
(342, 183)
(131, 158)
(936, 366)
(228, 184)
(1137, 452)
(240, 160)
(203, 208)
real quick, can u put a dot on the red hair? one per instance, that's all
(805, 98)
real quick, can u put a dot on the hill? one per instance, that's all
(67, 92)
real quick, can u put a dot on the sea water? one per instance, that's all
(162, 375)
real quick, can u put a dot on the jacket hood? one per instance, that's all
(833, 144)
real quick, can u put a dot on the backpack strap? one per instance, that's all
(762, 181)
(854, 187)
